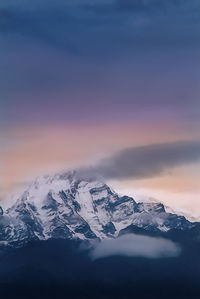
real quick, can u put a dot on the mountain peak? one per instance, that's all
(66, 206)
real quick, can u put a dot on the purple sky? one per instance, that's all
(77, 61)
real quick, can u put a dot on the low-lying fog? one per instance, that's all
(136, 245)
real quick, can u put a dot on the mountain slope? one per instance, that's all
(66, 207)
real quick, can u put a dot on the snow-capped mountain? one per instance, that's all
(65, 206)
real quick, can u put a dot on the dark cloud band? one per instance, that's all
(146, 161)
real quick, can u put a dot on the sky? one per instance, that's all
(86, 83)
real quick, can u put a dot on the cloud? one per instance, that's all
(147, 6)
(43, 26)
(133, 245)
(109, 49)
(140, 5)
(67, 24)
(145, 161)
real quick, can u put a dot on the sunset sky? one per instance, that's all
(83, 81)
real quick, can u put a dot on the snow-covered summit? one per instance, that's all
(65, 206)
